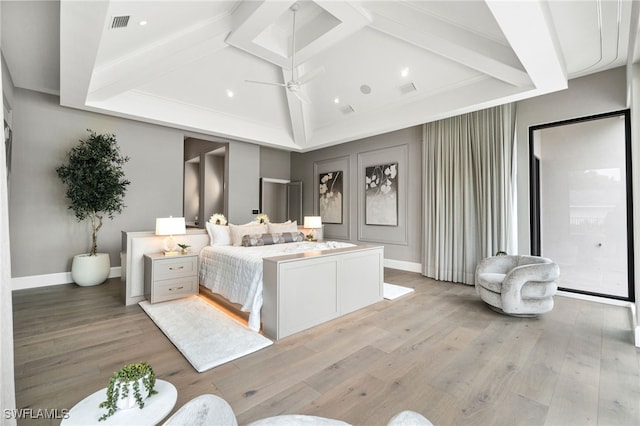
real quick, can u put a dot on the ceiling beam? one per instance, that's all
(452, 42)
(151, 62)
(528, 27)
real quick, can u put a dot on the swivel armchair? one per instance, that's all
(517, 285)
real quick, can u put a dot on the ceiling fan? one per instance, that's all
(295, 84)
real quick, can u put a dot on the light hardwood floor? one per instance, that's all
(439, 351)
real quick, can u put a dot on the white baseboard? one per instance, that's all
(34, 281)
(403, 265)
(635, 325)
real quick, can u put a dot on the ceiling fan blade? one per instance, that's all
(267, 83)
(311, 75)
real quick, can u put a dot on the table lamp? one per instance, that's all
(170, 226)
(313, 223)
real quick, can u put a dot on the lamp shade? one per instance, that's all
(312, 222)
(170, 226)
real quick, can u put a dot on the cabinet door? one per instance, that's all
(360, 281)
(308, 295)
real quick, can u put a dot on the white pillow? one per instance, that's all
(219, 235)
(238, 231)
(282, 227)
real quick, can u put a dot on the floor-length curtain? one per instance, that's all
(468, 170)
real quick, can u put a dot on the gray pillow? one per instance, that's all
(252, 240)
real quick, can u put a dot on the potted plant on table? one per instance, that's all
(96, 186)
(128, 387)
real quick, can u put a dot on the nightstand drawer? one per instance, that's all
(174, 288)
(175, 267)
(170, 277)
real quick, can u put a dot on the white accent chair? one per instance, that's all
(208, 409)
(517, 285)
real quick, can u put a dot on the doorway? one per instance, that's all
(581, 202)
(281, 199)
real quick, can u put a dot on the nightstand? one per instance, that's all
(170, 277)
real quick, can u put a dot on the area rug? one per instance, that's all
(393, 291)
(204, 335)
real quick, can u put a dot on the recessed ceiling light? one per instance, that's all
(143, 23)
(365, 89)
(336, 100)
(404, 72)
(229, 93)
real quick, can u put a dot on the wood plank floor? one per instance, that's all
(439, 351)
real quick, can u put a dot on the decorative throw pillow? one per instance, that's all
(218, 234)
(251, 240)
(283, 227)
(238, 231)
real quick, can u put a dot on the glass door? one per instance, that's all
(581, 203)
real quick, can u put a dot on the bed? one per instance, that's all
(287, 287)
(236, 273)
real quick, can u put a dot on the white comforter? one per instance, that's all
(236, 272)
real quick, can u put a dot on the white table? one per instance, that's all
(156, 408)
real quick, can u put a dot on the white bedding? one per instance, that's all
(236, 272)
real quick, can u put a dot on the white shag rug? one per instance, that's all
(205, 336)
(393, 291)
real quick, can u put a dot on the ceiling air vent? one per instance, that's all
(119, 22)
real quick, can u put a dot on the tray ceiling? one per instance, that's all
(378, 66)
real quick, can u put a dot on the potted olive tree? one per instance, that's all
(96, 186)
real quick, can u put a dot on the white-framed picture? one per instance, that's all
(381, 194)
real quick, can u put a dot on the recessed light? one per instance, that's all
(404, 72)
(143, 23)
(229, 93)
(336, 100)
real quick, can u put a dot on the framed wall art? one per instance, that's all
(330, 196)
(383, 184)
(381, 194)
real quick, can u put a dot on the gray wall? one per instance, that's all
(44, 233)
(243, 182)
(304, 166)
(275, 163)
(585, 96)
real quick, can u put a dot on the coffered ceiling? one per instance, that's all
(372, 66)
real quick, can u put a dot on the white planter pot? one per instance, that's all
(130, 400)
(89, 270)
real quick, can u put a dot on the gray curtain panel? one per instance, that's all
(468, 204)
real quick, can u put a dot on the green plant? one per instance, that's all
(501, 253)
(184, 246)
(95, 180)
(118, 388)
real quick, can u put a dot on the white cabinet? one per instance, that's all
(170, 277)
(301, 291)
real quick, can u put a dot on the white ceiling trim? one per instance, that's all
(77, 59)
(528, 27)
(114, 79)
(156, 109)
(454, 43)
(254, 18)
